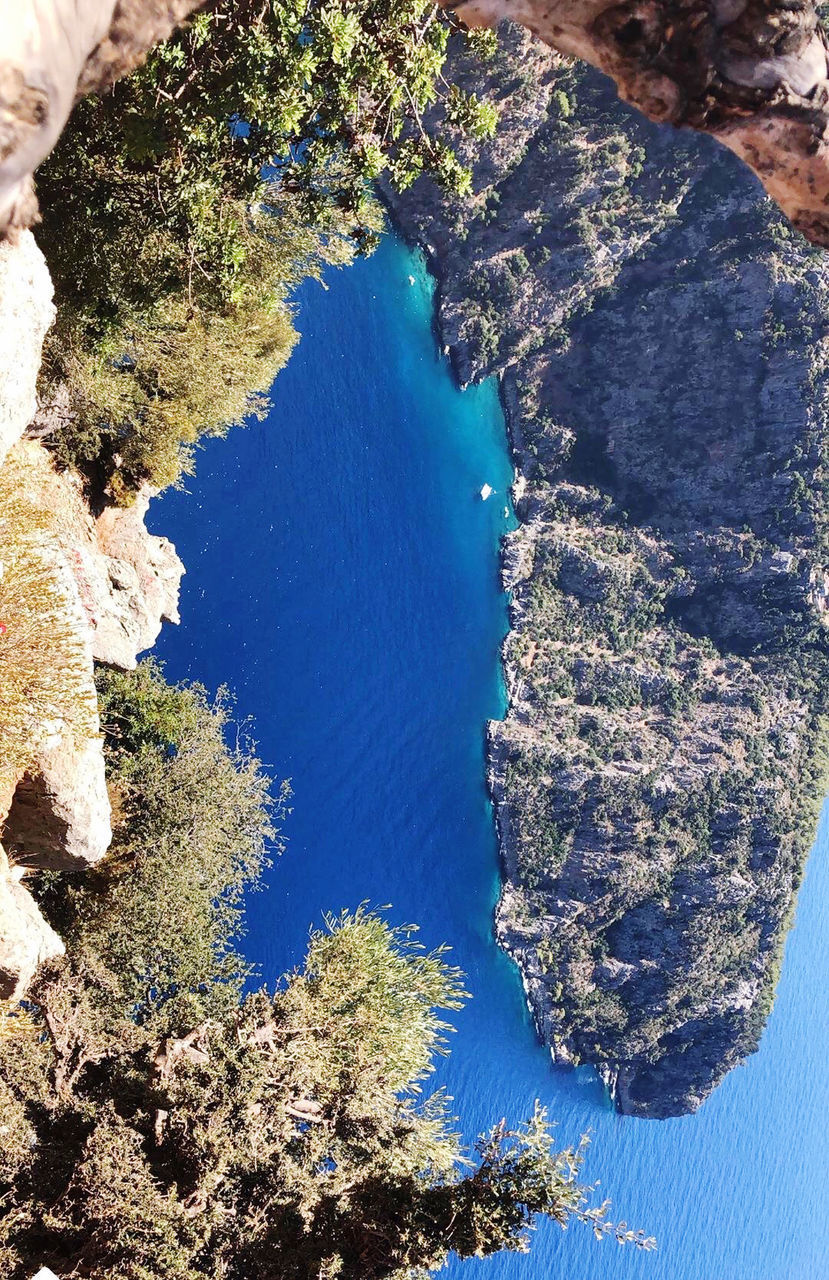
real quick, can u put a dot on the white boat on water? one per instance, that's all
(486, 492)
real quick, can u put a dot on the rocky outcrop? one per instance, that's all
(26, 312)
(26, 940)
(131, 582)
(113, 582)
(108, 585)
(663, 349)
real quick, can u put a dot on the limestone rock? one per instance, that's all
(138, 576)
(60, 814)
(26, 312)
(26, 940)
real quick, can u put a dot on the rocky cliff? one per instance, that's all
(661, 339)
(74, 589)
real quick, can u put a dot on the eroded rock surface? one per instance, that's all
(127, 579)
(26, 940)
(116, 582)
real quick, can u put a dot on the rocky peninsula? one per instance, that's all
(660, 337)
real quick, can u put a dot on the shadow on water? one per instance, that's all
(343, 580)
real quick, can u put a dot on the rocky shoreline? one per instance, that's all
(661, 348)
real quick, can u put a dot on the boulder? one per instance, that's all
(60, 814)
(53, 52)
(26, 940)
(137, 577)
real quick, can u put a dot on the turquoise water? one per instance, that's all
(343, 579)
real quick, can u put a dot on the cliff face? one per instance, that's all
(662, 342)
(74, 589)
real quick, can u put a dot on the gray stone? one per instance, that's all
(26, 940)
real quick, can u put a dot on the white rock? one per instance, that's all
(26, 312)
(26, 940)
(136, 577)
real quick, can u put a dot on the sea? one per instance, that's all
(343, 582)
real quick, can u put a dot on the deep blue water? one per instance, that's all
(342, 579)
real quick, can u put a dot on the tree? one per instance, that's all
(179, 211)
(161, 1125)
(287, 1139)
(754, 75)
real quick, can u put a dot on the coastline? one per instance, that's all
(649, 939)
(547, 1029)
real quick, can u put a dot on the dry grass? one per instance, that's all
(45, 676)
(15, 1023)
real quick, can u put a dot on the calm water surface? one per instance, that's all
(342, 578)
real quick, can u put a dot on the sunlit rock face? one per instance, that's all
(26, 312)
(26, 940)
(117, 582)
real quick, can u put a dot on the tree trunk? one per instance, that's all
(753, 73)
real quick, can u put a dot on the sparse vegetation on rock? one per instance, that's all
(662, 344)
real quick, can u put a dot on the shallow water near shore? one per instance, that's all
(342, 579)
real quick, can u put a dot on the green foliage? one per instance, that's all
(180, 210)
(483, 43)
(565, 107)
(154, 926)
(312, 95)
(161, 1126)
